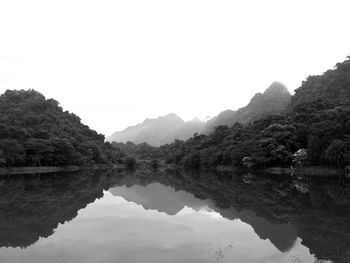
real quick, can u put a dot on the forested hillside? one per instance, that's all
(35, 131)
(333, 86)
(274, 100)
(317, 123)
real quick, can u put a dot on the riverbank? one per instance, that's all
(311, 171)
(52, 169)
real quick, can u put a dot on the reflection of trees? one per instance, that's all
(277, 209)
(32, 208)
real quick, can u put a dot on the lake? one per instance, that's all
(157, 216)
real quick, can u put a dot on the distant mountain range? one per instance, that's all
(162, 130)
(166, 129)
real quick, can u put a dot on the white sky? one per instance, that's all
(115, 63)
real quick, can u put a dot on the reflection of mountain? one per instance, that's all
(32, 208)
(158, 197)
(274, 208)
(282, 235)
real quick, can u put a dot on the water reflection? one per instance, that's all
(163, 198)
(279, 210)
(33, 206)
(173, 217)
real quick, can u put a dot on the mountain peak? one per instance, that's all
(172, 116)
(276, 87)
(272, 101)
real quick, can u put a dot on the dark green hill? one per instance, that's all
(333, 86)
(35, 131)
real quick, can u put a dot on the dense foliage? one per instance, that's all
(267, 142)
(139, 151)
(334, 85)
(35, 131)
(318, 120)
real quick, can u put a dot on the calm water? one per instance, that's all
(172, 217)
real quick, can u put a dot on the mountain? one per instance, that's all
(156, 196)
(273, 101)
(35, 131)
(158, 131)
(316, 120)
(186, 130)
(167, 128)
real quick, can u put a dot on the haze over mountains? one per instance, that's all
(166, 129)
(273, 100)
(162, 130)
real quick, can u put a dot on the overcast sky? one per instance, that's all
(115, 63)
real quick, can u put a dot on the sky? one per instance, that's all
(115, 63)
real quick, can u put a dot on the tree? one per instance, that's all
(13, 152)
(314, 149)
(336, 152)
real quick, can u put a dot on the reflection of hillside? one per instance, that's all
(156, 196)
(166, 199)
(282, 235)
(274, 208)
(32, 208)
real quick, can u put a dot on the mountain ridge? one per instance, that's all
(157, 131)
(165, 129)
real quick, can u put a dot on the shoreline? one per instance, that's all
(308, 171)
(51, 169)
(311, 171)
